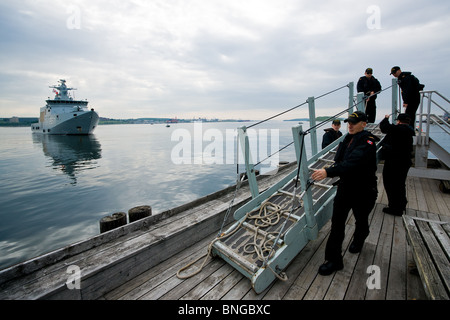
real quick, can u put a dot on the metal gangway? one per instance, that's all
(277, 223)
(431, 103)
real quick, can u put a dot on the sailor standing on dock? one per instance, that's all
(397, 152)
(356, 166)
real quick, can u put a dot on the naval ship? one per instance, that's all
(65, 116)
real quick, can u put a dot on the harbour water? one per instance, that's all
(55, 189)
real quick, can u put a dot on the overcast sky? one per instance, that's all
(246, 59)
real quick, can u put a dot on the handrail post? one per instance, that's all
(351, 90)
(360, 102)
(312, 122)
(419, 133)
(427, 133)
(249, 164)
(299, 143)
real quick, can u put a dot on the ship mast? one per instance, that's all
(63, 93)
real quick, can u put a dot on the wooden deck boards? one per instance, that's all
(386, 248)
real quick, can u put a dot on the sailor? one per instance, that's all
(410, 87)
(396, 150)
(369, 85)
(355, 165)
(332, 134)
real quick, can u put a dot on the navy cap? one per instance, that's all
(336, 122)
(394, 69)
(356, 117)
(403, 117)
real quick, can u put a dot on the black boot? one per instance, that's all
(329, 267)
(392, 211)
(356, 246)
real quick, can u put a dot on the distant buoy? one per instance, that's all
(113, 221)
(139, 212)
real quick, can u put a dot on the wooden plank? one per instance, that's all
(144, 282)
(427, 271)
(421, 199)
(339, 285)
(442, 237)
(357, 285)
(340, 280)
(301, 284)
(239, 290)
(439, 257)
(177, 291)
(440, 199)
(224, 286)
(429, 197)
(208, 283)
(396, 286)
(294, 270)
(411, 193)
(381, 260)
(329, 287)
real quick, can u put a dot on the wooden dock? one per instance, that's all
(140, 260)
(386, 248)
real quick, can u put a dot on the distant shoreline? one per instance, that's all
(26, 122)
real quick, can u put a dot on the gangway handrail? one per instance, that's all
(437, 92)
(428, 94)
(444, 126)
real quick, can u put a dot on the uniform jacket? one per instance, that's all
(398, 143)
(355, 161)
(367, 85)
(410, 86)
(330, 136)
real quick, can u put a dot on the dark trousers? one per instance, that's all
(371, 110)
(411, 111)
(394, 178)
(361, 202)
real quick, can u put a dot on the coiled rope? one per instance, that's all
(269, 214)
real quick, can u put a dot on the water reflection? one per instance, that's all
(70, 154)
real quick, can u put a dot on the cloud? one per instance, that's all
(240, 59)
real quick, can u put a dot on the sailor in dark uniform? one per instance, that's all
(397, 150)
(332, 134)
(356, 166)
(369, 85)
(410, 88)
